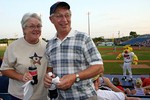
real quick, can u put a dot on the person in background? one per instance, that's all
(25, 52)
(106, 84)
(118, 84)
(139, 90)
(73, 57)
(146, 84)
(145, 81)
(114, 94)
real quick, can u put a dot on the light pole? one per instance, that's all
(118, 34)
(89, 23)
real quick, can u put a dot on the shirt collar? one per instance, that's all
(71, 34)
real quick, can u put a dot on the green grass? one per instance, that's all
(143, 53)
(115, 68)
(112, 68)
(2, 49)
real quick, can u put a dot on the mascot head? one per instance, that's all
(127, 49)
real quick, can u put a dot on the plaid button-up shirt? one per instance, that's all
(71, 55)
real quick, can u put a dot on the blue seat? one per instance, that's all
(5, 96)
(127, 84)
(4, 81)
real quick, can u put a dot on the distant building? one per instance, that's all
(105, 44)
(3, 44)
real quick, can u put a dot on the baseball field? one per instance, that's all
(113, 66)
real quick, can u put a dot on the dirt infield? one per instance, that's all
(140, 66)
(122, 61)
(133, 66)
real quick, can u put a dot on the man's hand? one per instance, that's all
(66, 81)
(48, 80)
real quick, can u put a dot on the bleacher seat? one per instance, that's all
(4, 81)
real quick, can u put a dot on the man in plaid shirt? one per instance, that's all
(72, 56)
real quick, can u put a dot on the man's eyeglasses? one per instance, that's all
(34, 27)
(61, 16)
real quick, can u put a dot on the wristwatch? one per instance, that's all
(77, 78)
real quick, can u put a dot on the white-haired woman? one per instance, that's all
(25, 52)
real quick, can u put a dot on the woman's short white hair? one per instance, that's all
(27, 16)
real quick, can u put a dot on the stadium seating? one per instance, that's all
(143, 40)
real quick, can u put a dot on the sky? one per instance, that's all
(107, 18)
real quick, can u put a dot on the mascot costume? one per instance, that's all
(129, 58)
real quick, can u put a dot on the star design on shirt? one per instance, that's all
(36, 59)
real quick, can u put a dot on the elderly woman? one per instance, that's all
(26, 53)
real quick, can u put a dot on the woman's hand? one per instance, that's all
(26, 77)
